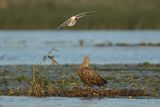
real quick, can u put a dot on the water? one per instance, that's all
(29, 47)
(7, 101)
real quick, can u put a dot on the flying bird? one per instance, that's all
(89, 76)
(72, 20)
(51, 57)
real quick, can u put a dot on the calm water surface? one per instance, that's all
(29, 47)
(7, 101)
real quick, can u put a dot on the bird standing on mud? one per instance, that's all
(89, 76)
(72, 20)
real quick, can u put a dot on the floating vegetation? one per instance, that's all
(21, 78)
(145, 64)
(108, 44)
(74, 92)
(89, 92)
(1, 93)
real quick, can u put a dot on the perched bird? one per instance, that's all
(89, 76)
(72, 20)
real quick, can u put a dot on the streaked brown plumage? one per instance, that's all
(89, 76)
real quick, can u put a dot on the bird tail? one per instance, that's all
(103, 82)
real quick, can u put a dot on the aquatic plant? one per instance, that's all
(22, 78)
(11, 92)
(90, 92)
(1, 93)
(123, 44)
(41, 85)
(48, 80)
(144, 64)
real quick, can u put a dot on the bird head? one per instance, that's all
(86, 62)
(73, 18)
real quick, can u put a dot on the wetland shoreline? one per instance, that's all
(62, 80)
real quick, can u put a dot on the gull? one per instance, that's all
(72, 20)
(51, 57)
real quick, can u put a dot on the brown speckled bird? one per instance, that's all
(89, 76)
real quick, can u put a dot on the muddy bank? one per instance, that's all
(62, 80)
(78, 92)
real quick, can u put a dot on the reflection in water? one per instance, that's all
(8, 101)
(29, 47)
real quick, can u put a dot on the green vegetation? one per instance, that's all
(40, 85)
(142, 44)
(48, 14)
(21, 78)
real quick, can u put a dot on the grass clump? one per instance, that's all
(22, 78)
(11, 92)
(40, 85)
(1, 93)
(145, 64)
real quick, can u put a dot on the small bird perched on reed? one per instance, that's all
(89, 76)
(72, 20)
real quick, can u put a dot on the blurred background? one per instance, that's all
(48, 14)
(122, 39)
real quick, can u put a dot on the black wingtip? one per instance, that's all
(58, 28)
(104, 81)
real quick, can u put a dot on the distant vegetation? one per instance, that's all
(48, 14)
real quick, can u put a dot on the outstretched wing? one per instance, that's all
(52, 49)
(44, 59)
(64, 24)
(54, 62)
(77, 16)
(84, 14)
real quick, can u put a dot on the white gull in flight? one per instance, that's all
(72, 20)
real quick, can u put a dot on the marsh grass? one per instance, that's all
(1, 93)
(91, 92)
(80, 92)
(121, 82)
(11, 92)
(41, 85)
(142, 44)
